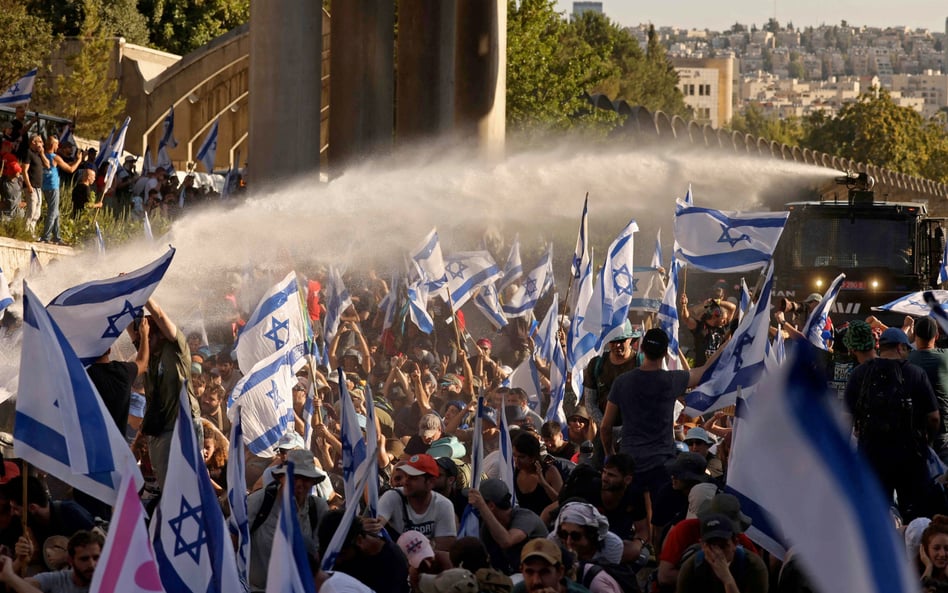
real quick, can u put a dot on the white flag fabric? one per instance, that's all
(192, 546)
(104, 149)
(149, 236)
(93, 315)
(62, 425)
(418, 306)
(238, 523)
(167, 136)
(742, 363)
(430, 261)
(164, 161)
(668, 315)
(208, 151)
(657, 255)
(557, 359)
(523, 300)
(581, 341)
(99, 240)
(513, 269)
(469, 525)
(825, 498)
(288, 570)
(616, 287)
(127, 563)
(719, 241)
(350, 435)
(6, 297)
(546, 335)
(913, 304)
(337, 303)
(487, 303)
(466, 272)
(582, 259)
(648, 288)
(371, 436)
(36, 268)
(148, 163)
(815, 329)
(114, 156)
(21, 91)
(276, 324)
(389, 305)
(65, 137)
(265, 395)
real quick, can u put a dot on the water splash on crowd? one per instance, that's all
(372, 215)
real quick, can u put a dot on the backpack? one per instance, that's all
(884, 412)
(269, 498)
(622, 574)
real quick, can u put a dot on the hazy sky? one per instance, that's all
(721, 14)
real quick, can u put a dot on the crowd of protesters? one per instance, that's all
(36, 169)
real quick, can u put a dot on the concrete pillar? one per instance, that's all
(285, 82)
(426, 50)
(481, 73)
(361, 118)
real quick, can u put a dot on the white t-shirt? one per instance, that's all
(340, 582)
(437, 521)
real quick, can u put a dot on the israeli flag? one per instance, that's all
(506, 450)
(648, 289)
(742, 363)
(689, 199)
(192, 546)
(616, 286)
(208, 151)
(418, 306)
(104, 149)
(21, 91)
(657, 255)
(815, 329)
(148, 163)
(779, 348)
(466, 272)
(718, 241)
(371, 436)
(127, 564)
(513, 269)
(230, 180)
(99, 240)
(943, 271)
(238, 523)
(164, 161)
(668, 315)
(389, 305)
(745, 301)
(353, 445)
(429, 261)
(523, 300)
(470, 524)
(486, 301)
(289, 570)
(167, 137)
(557, 371)
(527, 377)
(937, 310)
(65, 137)
(62, 426)
(6, 297)
(337, 303)
(266, 395)
(149, 236)
(276, 324)
(115, 154)
(93, 315)
(546, 336)
(581, 342)
(914, 304)
(824, 497)
(581, 254)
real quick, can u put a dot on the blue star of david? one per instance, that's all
(531, 286)
(577, 262)
(727, 238)
(274, 392)
(623, 281)
(348, 466)
(745, 340)
(635, 284)
(128, 309)
(456, 269)
(274, 333)
(16, 87)
(916, 303)
(192, 549)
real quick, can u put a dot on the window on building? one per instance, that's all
(704, 113)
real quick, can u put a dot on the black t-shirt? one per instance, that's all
(114, 381)
(707, 341)
(80, 196)
(386, 572)
(35, 172)
(622, 519)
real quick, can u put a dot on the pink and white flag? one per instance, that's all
(127, 564)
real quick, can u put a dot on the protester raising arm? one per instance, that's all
(13, 581)
(162, 322)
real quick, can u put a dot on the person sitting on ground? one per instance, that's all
(722, 565)
(551, 433)
(375, 561)
(933, 554)
(537, 484)
(543, 570)
(83, 549)
(505, 528)
(699, 441)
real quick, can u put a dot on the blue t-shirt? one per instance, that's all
(51, 175)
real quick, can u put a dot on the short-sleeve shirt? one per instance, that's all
(685, 534)
(646, 400)
(698, 577)
(935, 364)
(508, 561)
(167, 371)
(113, 380)
(59, 581)
(437, 520)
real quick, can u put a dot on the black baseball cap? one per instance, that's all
(655, 343)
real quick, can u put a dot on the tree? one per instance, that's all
(180, 26)
(772, 25)
(118, 18)
(87, 93)
(28, 46)
(752, 120)
(875, 130)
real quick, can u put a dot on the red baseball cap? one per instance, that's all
(419, 465)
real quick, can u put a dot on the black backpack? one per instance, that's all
(884, 414)
(622, 574)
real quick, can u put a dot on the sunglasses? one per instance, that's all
(567, 535)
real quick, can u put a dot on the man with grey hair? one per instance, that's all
(33, 182)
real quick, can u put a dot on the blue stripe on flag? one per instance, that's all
(475, 280)
(113, 289)
(764, 221)
(731, 259)
(270, 437)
